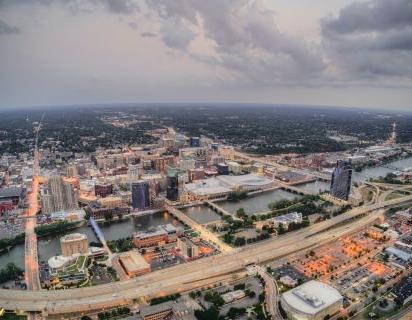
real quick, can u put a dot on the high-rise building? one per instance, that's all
(74, 243)
(222, 168)
(195, 174)
(103, 189)
(161, 163)
(172, 191)
(71, 171)
(133, 173)
(140, 195)
(59, 196)
(341, 180)
(188, 248)
(194, 142)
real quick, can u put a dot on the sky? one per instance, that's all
(311, 52)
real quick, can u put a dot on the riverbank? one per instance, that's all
(7, 244)
(56, 228)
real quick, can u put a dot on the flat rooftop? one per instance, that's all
(245, 180)
(207, 187)
(225, 184)
(73, 237)
(311, 297)
(133, 261)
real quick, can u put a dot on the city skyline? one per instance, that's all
(354, 54)
(206, 159)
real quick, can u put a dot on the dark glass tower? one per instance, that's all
(194, 142)
(140, 195)
(341, 180)
(172, 191)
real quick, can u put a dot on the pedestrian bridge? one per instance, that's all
(99, 234)
(205, 234)
(293, 189)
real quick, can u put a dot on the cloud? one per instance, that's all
(176, 33)
(371, 40)
(75, 6)
(121, 6)
(148, 34)
(5, 28)
(375, 15)
(240, 44)
(246, 39)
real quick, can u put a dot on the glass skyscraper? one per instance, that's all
(341, 180)
(172, 191)
(140, 195)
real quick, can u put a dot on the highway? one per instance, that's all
(191, 275)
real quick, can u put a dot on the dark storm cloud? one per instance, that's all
(377, 15)
(247, 39)
(5, 28)
(371, 39)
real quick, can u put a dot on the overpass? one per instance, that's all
(199, 273)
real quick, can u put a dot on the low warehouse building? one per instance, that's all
(133, 263)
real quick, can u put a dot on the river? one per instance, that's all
(49, 247)
(201, 214)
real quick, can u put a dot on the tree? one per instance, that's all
(228, 238)
(108, 216)
(235, 312)
(10, 272)
(240, 213)
(209, 314)
(240, 241)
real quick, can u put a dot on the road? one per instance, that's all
(282, 167)
(31, 264)
(405, 314)
(271, 294)
(189, 276)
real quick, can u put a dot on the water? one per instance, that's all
(126, 228)
(15, 255)
(364, 175)
(381, 171)
(257, 203)
(201, 214)
(49, 247)
(314, 187)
